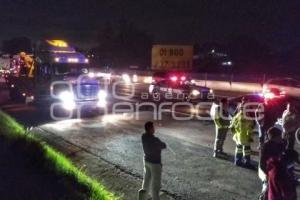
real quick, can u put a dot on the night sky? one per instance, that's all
(276, 23)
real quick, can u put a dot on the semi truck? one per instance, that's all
(57, 75)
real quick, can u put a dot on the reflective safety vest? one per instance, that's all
(220, 117)
(242, 129)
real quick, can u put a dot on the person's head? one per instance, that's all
(149, 128)
(224, 102)
(274, 134)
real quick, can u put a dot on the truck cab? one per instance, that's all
(58, 75)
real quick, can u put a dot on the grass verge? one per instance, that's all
(34, 170)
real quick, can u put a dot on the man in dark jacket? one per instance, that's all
(277, 164)
(152, 147)
(266, 116)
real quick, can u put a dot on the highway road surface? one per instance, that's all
(108, 147)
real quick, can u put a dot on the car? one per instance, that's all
(256, 99)
(234, 102)
(280, 87)
(179, 87)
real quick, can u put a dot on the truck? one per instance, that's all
(56, 74)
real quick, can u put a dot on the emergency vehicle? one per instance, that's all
(56, 73)
(177, 86)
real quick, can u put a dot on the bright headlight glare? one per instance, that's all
(66, 96)
(67, 99)
(56, 59)
(211, 91)
(135, 78)
(102, 94)
(195, 92)
(102, 98)
(126, 78)
(148, 79)
(91, 74)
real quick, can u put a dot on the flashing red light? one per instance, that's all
(173, 78)
(183, 78)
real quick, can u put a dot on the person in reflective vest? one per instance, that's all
(222, 122)
(242, 127)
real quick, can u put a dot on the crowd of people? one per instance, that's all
(276, 143)
(276, 146)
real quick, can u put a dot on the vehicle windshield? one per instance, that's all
(71, 69)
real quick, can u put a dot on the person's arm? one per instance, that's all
(263, 160)
(217, 121)
(161, 144)
(233, 124)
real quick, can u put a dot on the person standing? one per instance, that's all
(266, 116)
(242, 127)
(278, 165)
(152, 147)
(290, 124)
(222, 122)
(274, 146)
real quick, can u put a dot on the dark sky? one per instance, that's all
(276, 23)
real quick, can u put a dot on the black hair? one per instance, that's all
(274, 132)
(148, 125)
(224, 100)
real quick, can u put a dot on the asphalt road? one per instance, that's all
(189, 172)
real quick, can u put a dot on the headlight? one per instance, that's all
(211, 91)
(102, 94)
(66, 96)
(148, 79)
(195, 92)
(67, 99)
(135, 78)
(126, 78)
(56, 59)
(102, 98)
(91, 74)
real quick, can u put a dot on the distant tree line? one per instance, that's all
(16, 45)
(123, 44)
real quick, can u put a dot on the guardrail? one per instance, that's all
(222, 82)
(202, 80)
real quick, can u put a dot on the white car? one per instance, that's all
(281, 87)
